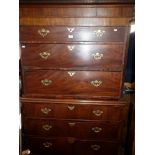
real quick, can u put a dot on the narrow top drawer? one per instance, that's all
(61, 34)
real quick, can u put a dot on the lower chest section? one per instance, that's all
(73, 126)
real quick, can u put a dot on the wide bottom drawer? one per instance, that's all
(65, 146)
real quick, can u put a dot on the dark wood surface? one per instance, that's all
(69, 146)
(77, 1)
(77, 56)
(57, 34)
(84, 83)
(74, 21)
(76, 15)
(72, 11)
(97, 130)
(75, 109)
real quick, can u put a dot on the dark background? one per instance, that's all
(130, 66)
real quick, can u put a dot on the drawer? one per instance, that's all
(72, 83)
(101, 130)
(61, 34)
(106, 110)
(96, 148)
(114, 112)
(83, 56)
(71, 146)
(47, 145)
(44, 110)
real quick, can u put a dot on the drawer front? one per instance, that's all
(72, 83)
(44, 127)
(70, 146)
(108, 57)
(73, 128)
(60, 34)
(87, 111)
(96, 148)
(44, 110)
(90, 112)
(47, 145)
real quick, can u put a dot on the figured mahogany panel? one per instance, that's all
(99, 130)
(61, 34)
(70, 83)
(81, 56)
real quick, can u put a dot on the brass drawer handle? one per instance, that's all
(71, 107)
(46, 127)
(45, 110)
(44, 55)
(95, 147)
(96, 129)
(71, 140)
(71, 73)
(26, 152)
(70, 47)
(46, 82)
(97, 112)
(71, 124)
(70, 29)
(96, 83)
(43, 32)
(97, 56)
(99, 33)
(70, 36)
(23, 46)
(47, 144)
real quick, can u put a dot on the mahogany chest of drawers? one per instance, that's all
(73, 58)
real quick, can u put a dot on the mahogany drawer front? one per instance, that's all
(44, 127)
(70, 146)
(90, 112)
(44, 110)
(96, 148)
(69, 110)
(61, 34)
(47, 145)
(108, 56)
(70, 83)
(101, 130)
